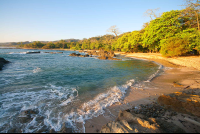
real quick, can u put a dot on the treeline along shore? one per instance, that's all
(174, 33)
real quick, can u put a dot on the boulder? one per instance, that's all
(129, 122)
(78, 55)
(107, 58)
(33, 52)
(26, 115)
(102, 55)
(3, 62)
(87, 55)
(74, 54)
(65, 129)
(53, 52)
(181, 102)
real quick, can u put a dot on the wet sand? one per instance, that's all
(188, 79)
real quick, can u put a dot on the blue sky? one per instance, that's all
(49, 20)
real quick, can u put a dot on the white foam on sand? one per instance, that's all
(156, 73)
(96, 107)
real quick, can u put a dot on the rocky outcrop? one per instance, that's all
(181, 102)
(172, 113)
(102, 53)
(33, 52)
(74, 54)
(131, 123)
(141, 119)
(107, 58)
(3, 62)
(26, 115)
(78, 55)
(84, 55)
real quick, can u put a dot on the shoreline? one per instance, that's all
(192, 62)
(179, 69)
(146, 93)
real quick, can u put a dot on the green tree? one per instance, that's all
(163, 27)
(63, 43)
(174, 46)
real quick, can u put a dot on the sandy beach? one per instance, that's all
(181, 74)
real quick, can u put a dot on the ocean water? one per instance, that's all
(62, 90)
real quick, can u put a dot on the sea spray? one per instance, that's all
(96, 107)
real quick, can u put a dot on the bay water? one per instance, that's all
(57, 89)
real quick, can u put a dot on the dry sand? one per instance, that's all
(183, 70)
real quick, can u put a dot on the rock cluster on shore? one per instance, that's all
(159, 117)
(141, 119)
(102, 55)
(78, 55)
(3, 62)
(181, 102)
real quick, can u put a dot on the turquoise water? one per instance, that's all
(62, 89)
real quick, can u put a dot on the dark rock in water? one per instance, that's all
(87, 55)
(30, 111)
(26, 115)
(14, 130)
(74, 54)
(3, 62)
(107, 58)
(52, 131)
(64, 129)
(53, 52)
(103, 55)
(24, 119)
(42, 130)
(78, 55)
(32, 52)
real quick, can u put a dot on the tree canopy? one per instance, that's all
(173, 33)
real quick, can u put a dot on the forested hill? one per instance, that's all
(174, 33)
(8, 44)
